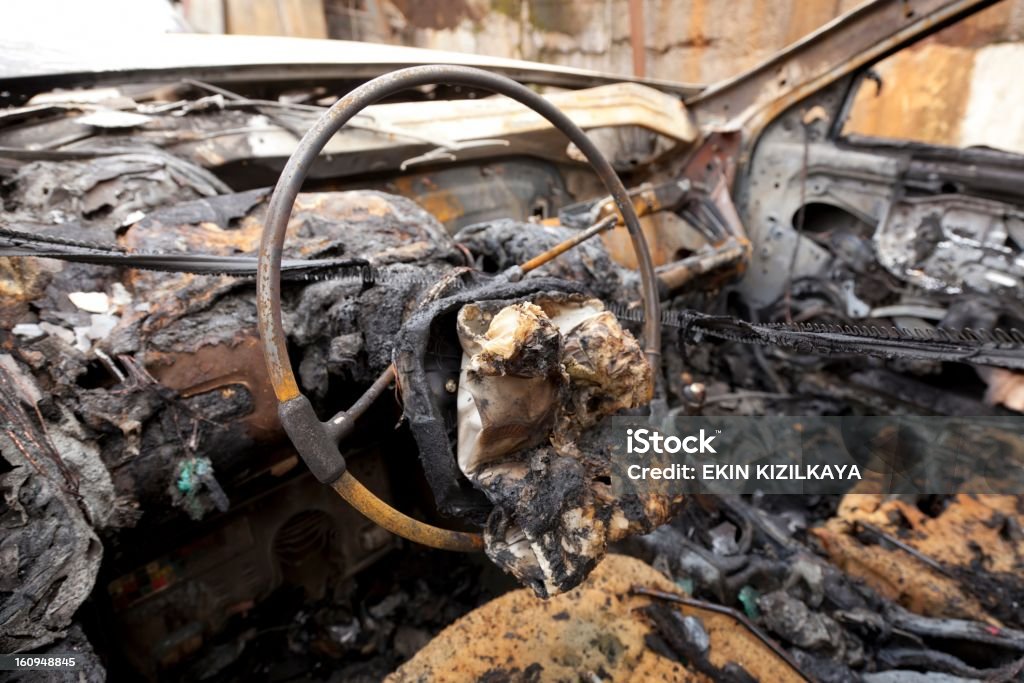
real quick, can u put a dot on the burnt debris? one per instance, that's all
(150, 493)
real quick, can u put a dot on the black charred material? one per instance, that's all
(830, 626)
(793, 621)
(89, 668)
(535, 505)
(49, 549)
(688, 641)
(940, 662)
(104, 191)
(181, 374)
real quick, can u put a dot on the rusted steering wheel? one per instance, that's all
(316, 441)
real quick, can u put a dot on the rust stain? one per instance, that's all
(923, 98)
(991, 25)
(900, 578)
(694, 57)
(22, 279)
(436, 14)
(438, 201)
(223, 367)
(620, 248)
(965, 534)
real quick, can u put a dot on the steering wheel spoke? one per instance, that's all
(344, 421)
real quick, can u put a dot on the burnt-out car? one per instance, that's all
(237, 369)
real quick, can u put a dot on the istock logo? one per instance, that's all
(643, 441)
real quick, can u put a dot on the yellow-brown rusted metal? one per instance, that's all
(559, 249)
(362, 499)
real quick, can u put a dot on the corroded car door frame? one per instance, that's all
(864, 35)
(784, 118)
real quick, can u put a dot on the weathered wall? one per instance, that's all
(695, 41)
(685, 40)
(958, 87)
(947, 95)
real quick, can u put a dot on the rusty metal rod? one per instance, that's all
(362, 499)
(910, 550)
(341, 425)
(577, 239)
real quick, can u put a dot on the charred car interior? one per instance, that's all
(309, 363)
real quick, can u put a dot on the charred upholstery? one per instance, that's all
(164, 393)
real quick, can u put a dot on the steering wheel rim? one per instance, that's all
(311, 437)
